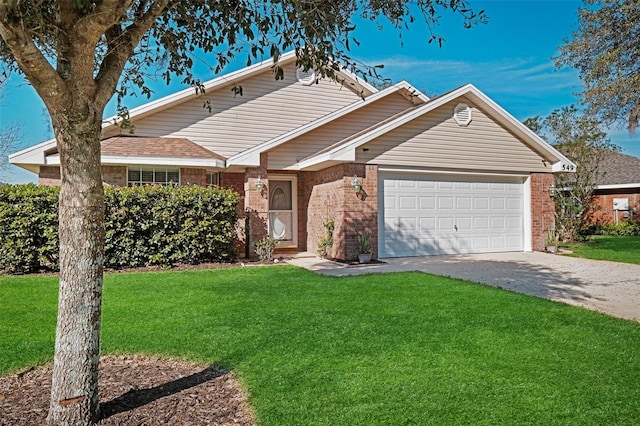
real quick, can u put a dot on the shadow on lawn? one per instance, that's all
(137, 398)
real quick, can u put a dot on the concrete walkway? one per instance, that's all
(608, 287)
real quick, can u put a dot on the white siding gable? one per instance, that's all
(318, 139)
(266, 109)
(436, 141)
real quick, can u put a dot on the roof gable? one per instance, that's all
(402, 90)
(267, 108)
(346, 150)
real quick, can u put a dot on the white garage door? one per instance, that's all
(428, 215)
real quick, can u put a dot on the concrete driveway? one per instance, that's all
(609, 287)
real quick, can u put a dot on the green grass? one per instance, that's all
(614, 248)
(396, 349)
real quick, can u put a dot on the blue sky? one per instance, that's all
(509, 59)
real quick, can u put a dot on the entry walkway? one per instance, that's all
(609, 287)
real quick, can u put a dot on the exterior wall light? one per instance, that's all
(356, 184)
(552, 191)
(259, 184)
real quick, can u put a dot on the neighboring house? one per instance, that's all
(617, 195)
(452, 174)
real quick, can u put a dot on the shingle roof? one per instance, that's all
(155, 147)
(619, 169)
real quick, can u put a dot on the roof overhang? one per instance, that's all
(130, 160)
(345, 152)
(619, 186)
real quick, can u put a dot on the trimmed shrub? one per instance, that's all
(623, 228)
(153, 225)
(28, 228)
(145, 225)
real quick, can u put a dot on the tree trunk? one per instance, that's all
(74, 391)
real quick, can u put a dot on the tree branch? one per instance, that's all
(40, 73)
(121, 45)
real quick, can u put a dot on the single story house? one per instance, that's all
(617, 194)
(424, 176)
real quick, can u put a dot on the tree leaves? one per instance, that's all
(606, 52)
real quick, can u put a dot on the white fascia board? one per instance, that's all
(327, 158)
(412, 90)
(251, 156)
(357, 80)
(619, 186)
(33, 154)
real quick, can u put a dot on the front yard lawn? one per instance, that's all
(393, 349)
(614, 248)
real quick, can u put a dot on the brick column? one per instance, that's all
(542, 209)
(256, 204)
(361, 209)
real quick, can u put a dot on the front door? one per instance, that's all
(283, 218)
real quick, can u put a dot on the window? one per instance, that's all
(213, 178)
(152, 176)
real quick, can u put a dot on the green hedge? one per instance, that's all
(144, 226)
(28, 228)
(623, 228)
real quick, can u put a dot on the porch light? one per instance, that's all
(356, 184)
(259, 184)
(552, 191)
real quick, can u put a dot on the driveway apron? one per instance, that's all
(609, 287)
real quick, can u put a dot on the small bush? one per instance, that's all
(265, 248)
(326, 242)
(624, 228)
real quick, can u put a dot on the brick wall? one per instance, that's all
(328, 194)
(256, 204)
(114, 175)
(603, 203)
(49, 176)
(193, 177)
(542, 209)
(235, 181)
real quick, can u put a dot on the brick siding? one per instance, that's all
(193, 177)
(542, 209)
(49, 176)
(114, 175)
(327, 194)
(256, 204)
(603, 202)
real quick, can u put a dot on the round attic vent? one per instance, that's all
(462, 114)
(306, 77)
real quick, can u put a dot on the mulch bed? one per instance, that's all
(137, 390)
